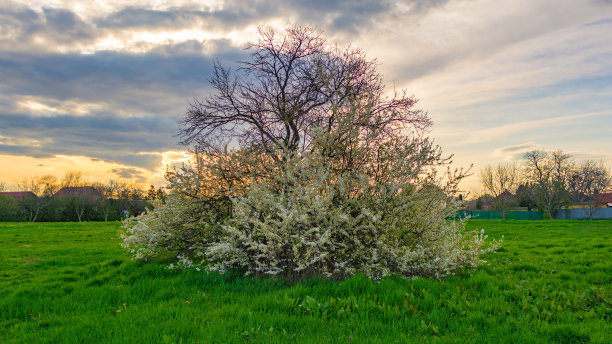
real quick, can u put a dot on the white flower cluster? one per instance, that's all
(303, 230)
(177, 228)
(308, 221)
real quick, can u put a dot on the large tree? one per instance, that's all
(549, 172)
(586, 181)
(291, 85)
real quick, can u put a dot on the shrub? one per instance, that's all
(304, 230)
(309, 221)
(178, 228)
(328, 175)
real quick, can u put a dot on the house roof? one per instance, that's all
(604, 198)
(19, 195)
(79, 191)
(506, 195)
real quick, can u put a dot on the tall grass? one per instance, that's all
(72, 283)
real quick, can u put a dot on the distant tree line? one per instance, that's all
(543, 180)
(74, 198)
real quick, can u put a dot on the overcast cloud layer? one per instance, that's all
(110, 81)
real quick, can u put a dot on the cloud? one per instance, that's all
(512, 149)
(104, 73)
(345, 15)
(111, 138)
(88, 28)
(22, 27)
(600, 21)
(234, 14)
(127, 173)
(593, 155)
(464, 36)
(348, 17)
(108, 105)
(496, 133)
(515, 152)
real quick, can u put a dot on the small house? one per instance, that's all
(84, 192)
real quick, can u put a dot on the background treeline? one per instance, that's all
(88, 200)
(544, 180)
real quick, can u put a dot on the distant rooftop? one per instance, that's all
(79, 191)
(19, 195)
(604, 198)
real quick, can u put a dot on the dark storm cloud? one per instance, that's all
(345, 16)
(155, 86)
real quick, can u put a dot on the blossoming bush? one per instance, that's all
(304, 230)
(328, 176)
(178, 229)
(308, 220)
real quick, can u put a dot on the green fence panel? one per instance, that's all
(493, 215)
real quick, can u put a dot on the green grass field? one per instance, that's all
(551, 282)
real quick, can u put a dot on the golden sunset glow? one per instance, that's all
(15, 168)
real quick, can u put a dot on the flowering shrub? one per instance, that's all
(304, 230)
(177, 228)
(308, 221)
(328, 175)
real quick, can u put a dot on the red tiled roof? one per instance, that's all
(505, 195)
(19, 195)
(604, 198)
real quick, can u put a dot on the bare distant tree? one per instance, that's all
(587, 181)
(549, 172)
(292, 84)
(44, 187)
(501, 181)
(109, 191)
(74, 179)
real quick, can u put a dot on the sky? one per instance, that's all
(100, 86)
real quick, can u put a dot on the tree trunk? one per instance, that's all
(80, 213)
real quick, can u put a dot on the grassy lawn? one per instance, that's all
(551, 282)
